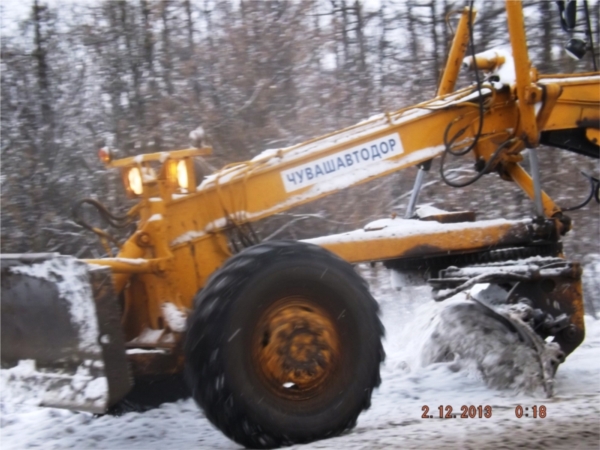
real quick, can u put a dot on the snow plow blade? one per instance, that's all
(61, 334)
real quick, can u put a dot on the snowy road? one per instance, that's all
(394, 421)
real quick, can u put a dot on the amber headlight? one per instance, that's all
(134, 180)
(177, 172)
(182, 174)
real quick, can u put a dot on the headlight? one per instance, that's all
(177, 173)
(134, 178)
(182, 174)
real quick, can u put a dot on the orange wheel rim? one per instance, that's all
(296, 347)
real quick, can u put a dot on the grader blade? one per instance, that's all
(61, 336)
(538, 298)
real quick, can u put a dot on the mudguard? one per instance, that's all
(62, 341)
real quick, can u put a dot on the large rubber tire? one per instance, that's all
(284, 345)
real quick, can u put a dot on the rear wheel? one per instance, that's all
(284, 346)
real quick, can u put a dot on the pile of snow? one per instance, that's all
(24, 384)
(591, 283)
(465, 339)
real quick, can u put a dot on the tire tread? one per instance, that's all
(205, 368)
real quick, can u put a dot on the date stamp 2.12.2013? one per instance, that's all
(448, 412)
(480, 412)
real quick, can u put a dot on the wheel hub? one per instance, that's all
(296, 347)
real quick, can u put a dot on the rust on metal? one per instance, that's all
(451, 217)
(296, 347)
(558, 295)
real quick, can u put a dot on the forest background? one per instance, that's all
(139, 75)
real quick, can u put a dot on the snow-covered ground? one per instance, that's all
(395, 419)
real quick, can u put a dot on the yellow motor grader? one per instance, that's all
(280, 341)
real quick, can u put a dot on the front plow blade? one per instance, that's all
(61, 335)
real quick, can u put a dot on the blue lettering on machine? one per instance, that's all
(343, 162)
